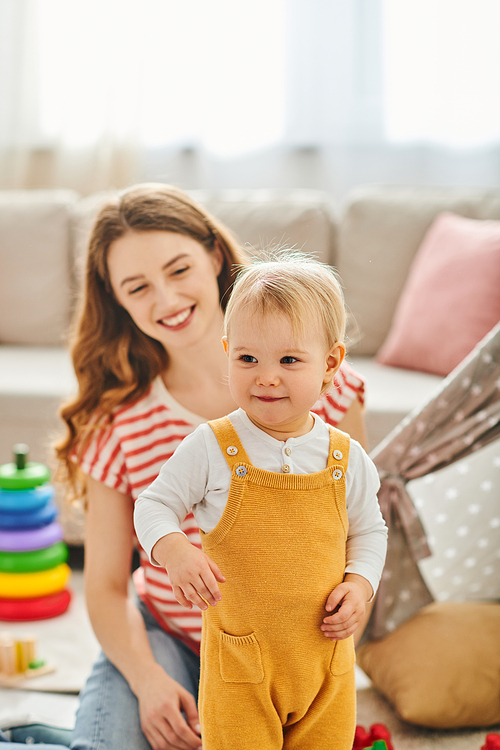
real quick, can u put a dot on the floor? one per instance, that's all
(66, 642)
(69, 644)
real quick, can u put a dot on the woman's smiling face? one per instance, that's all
(167, 282)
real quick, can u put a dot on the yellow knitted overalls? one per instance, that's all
(269, 677)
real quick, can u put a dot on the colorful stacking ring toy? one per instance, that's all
(35, 609)
(29, 585)
(20, 541)
(22, 474)
(33, 569)
(33, 560)
(39, 517)
(13, 501)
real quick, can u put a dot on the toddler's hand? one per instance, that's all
(347, 602)
(192, 573)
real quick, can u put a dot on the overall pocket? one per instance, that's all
(240, 658)
(343, 657)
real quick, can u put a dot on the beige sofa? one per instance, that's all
(371, 240)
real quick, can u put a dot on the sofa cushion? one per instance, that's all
(451, 298)
(441, 668)
(390, 394)
(34, 257)
(298, 218)
(379, 235)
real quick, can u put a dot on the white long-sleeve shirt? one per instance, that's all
(197, 477)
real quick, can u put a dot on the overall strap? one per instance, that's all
(229, 442)
(338, 453)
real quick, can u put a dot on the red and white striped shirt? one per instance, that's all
(128, 454)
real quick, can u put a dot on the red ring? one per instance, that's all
(39, 608)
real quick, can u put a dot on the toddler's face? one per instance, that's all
(275, 376)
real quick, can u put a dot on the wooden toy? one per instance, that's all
(33, 569)
(18, 660)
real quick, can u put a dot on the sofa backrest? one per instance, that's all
(34, 265)
(258, 218)
(379, 233)
(44, 234)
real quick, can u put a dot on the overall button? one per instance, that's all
(337, 474)
(241, 471)
(232, 450)
(336, 454)
(288, 451)
(285, 468)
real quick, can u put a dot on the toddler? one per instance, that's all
(290, 524)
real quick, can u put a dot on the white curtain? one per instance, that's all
(442, 67)
(227, 93)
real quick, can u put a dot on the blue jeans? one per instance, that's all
(37, 736)
(108, 712)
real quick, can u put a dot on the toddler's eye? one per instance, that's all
(248, 358)
(180, 270)
(137, 289)
(288, 360)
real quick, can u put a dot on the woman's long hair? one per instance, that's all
(114, 361)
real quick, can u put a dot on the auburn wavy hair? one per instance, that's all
(114, 361)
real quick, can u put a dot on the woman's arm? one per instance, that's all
(119, 626)
(354, 423)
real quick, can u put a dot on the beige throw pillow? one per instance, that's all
(441, 668)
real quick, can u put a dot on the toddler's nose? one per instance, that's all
(268, 378)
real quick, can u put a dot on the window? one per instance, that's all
(441, 71)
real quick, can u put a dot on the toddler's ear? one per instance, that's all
(225, 344)
(334, 359)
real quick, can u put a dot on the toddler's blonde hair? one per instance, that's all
(293, 284)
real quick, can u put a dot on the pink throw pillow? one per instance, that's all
(451, 298)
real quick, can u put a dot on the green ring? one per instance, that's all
(12, 478)
(34, 560)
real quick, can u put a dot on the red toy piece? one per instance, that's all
(492, 742)
(361, 739)
(364, 740)
(380, 732)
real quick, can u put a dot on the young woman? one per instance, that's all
(148, 357)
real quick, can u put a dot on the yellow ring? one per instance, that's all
(29, 585)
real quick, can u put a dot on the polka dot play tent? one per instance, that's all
(442, 447)
(463, 528)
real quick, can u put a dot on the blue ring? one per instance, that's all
(18, 501)
(31, 520)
